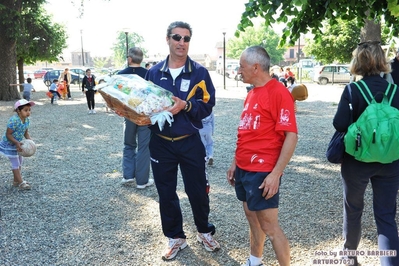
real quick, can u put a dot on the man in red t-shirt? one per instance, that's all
(267, 137)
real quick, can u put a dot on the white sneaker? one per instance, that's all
(249, 264)
(127, 182)
(90, 112)
(93, 111)
(174, 246)
(149, 183)
(206, 239)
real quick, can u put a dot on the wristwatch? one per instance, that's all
(186, 107)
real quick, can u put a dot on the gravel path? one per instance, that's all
(77, 213)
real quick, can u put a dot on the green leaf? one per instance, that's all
(393, 7)
(306, 14)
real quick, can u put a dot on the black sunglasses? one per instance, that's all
(178, 37)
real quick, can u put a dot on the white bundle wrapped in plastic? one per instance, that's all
(139, 100)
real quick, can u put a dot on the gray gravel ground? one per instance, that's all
(77, 213)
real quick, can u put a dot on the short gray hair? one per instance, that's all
(136, 54)
(257, 55)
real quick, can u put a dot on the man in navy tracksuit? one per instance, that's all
(180, 144)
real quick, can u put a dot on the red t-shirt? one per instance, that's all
(268, 112)
(289, 74)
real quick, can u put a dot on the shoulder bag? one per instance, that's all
(336, 148)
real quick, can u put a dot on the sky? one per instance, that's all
(149, 18)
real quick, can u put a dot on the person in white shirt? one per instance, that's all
(28, 88)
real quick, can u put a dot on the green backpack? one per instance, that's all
(374, 137)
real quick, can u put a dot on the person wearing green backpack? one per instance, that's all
(368, 61)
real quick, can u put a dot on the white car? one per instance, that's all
(102, 78)
(229, 62)
(232, 73)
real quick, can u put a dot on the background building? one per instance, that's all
(76, 59)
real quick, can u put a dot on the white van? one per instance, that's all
(230, 63)
(307, 63)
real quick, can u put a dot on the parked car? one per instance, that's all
(230, 69)
(38, 74)
(27, 74)
(55, 74)
(229, 62)
(79, 71)
(82, 72)
(332, 74)
(101, 78)
(233, 73)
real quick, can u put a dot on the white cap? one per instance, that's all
(23, 102)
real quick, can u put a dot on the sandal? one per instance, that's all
(23, 185)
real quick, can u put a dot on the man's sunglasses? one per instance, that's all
(178, 37)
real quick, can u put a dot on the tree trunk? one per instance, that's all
(21, 78)
(8, 57)
(8, 72)
(371, 31)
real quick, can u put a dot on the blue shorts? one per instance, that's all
(247, 189)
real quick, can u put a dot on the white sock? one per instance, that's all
(255, 261)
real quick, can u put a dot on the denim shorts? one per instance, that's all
(247, 189)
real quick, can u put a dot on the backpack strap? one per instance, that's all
(362, 92)
(386, 91)
(393, 91)
(350, 102)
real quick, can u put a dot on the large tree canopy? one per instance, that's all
(119, 47)
(263, 36)
(10, 24)
(338, 42)
(39, 40)
(26, 34)
(301, 16)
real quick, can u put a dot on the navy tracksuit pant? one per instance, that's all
(166, 157)
(384, 180)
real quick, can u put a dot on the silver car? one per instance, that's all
(332, 74)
